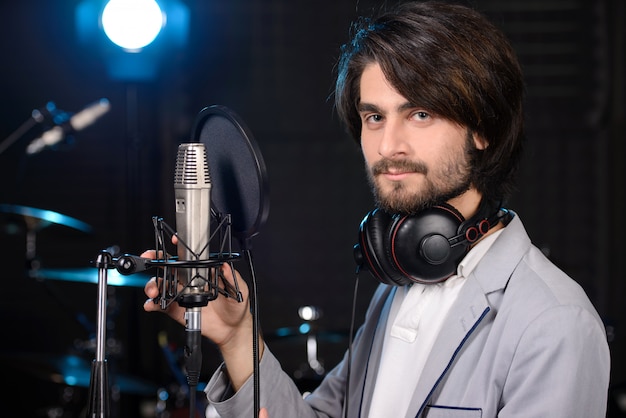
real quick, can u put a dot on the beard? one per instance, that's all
(451, 178)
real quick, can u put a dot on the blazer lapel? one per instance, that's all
(366, 376)
(472, 305)
(469, 309)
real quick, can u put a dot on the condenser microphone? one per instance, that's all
(77, 122)
(192, 190)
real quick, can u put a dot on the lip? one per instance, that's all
(397, 176)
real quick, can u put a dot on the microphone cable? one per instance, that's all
(351, 335)
(254, 307)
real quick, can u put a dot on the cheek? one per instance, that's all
(369, 143)
(369, 153)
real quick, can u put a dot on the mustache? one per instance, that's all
(385, 165)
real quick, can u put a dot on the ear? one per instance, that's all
(480, 142)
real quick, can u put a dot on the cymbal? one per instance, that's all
(90, 275)
(40, 218)
(72, 370)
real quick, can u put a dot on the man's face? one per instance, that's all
(414, 158)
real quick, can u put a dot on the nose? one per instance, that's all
(393, 141)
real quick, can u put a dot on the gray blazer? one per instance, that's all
(522, 340)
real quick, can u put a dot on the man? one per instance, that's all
(479, 324)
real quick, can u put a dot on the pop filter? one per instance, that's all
(237, 170)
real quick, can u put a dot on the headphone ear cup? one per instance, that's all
(373, 248)
(420, 248)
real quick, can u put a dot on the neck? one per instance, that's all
(467, 203)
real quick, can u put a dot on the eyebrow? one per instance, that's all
(369, 107)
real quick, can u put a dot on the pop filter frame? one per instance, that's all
(239, 189)
(239, 200)
(239, 184)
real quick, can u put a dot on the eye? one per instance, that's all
(375, 118)
(371, 118)
(421, 115)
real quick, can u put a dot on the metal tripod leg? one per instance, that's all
(99, 392)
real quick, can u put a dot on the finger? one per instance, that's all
(151, 289)
(263, 413)
(231, 282)
(150, 306)
(151, 254)
(228, 273)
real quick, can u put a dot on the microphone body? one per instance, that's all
(192, 190)
(77, 122)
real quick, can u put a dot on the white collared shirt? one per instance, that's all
(415, 319)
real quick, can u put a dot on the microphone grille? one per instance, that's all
(192, 167)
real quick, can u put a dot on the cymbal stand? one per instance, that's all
(99, 396)
(309, 314)
(33, 226)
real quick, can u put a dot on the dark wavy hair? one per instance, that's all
(452, 61)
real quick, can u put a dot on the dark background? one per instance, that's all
(272, 62)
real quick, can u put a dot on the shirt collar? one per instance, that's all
(471, 259)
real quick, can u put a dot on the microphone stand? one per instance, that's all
(19, 132)
(194, 302)
(99, 381)
(37, 116)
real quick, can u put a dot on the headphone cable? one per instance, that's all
(351, 338)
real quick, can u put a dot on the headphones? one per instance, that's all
(422, 248)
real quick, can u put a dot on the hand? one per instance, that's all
(223, 315)
(263, 413)
(225, 321)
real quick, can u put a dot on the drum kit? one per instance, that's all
(309, 373)
(72, 371)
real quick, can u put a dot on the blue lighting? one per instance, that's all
(132, 24)
(134, 37)
(71, 380)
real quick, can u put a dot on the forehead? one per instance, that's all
(376, 90)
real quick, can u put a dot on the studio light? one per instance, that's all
(134, 37)
(132, 24)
